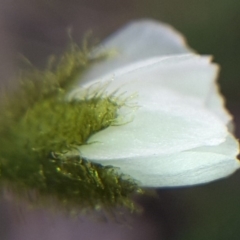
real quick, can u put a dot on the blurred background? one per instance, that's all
(38, 28)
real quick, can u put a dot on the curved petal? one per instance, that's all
(186, 76)
(176, 78)
(137, 41)
(178, 134)
(215, 102)
(171, 116)
(196, 166)
(155, 133)
(147, 38)
(144, 39)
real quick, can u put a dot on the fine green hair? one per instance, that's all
(41, 130)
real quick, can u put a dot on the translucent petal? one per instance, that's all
(156, 132)
(144, 39)
(184, 75)
(177, 132)
(191, 167)
(181, 77)
(137, 41)
(171, 117)
(215, 102)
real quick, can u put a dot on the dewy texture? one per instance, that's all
(178, 133)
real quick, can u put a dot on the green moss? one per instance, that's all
(40, 133)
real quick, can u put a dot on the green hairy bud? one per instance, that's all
(41, 130)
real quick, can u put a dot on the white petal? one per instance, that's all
(196, 166)
(147, 38)
(137, 41)
(215, 102)
(155, 133)
(143, 39)
(178, 135)
(167, 120)
(186, 76)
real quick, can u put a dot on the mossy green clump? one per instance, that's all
(40, 132)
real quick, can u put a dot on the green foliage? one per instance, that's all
(40, 132)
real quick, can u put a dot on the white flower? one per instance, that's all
(178, 134)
